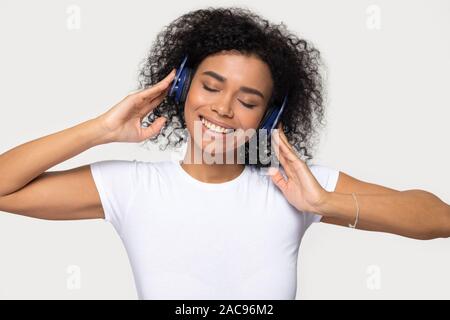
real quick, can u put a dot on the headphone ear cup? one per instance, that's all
(267, 116)
(186, 86)
(273, 115)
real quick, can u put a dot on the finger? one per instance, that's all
(288, 168)
(138, 95)
(148, 106)
(290, 171)
(279, 180)
(154, 128)
(284, 138)
(159, 87)
(160, 96)
(284, 146)
(292, 155)
(288, 152)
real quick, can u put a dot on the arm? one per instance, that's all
(27, 161)
(415, 214)
(57, 195)
(27, 189)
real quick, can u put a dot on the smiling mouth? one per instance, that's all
(215, 128)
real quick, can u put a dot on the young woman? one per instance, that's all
(201, 229)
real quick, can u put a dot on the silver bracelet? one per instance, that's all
(357, 212)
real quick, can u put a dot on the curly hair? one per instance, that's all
(294, 64)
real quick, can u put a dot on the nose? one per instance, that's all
(223, 110)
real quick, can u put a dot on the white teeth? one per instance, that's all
(214, 127)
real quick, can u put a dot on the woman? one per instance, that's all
(202, 229)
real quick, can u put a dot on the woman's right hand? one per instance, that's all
(122, 123)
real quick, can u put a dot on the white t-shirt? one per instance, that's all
(188, 239)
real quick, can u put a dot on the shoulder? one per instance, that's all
(327, 176)
(122, 170)
(138, 164)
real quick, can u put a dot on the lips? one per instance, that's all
(215, 129)
(217, 123)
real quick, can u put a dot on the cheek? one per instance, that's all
(196, 97)
(190, 105)
(249, 118)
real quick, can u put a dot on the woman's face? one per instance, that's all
(229, 89)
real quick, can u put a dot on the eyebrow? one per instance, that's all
(223, 79)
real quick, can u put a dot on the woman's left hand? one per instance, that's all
(301, 188)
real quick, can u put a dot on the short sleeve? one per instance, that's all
(327, 178)
(116, 182)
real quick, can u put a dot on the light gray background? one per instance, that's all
(387, 113)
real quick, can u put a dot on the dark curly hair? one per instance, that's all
(293, 62)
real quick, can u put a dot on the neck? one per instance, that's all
(193, 163)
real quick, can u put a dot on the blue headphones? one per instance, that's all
(182, 82)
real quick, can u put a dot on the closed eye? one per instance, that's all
(209, 89)
(243, 103)
(247, 105)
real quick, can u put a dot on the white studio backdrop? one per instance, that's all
(387, 66)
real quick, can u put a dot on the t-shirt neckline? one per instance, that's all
(188, 178)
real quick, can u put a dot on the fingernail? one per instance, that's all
(170, 73)
(275, 134)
